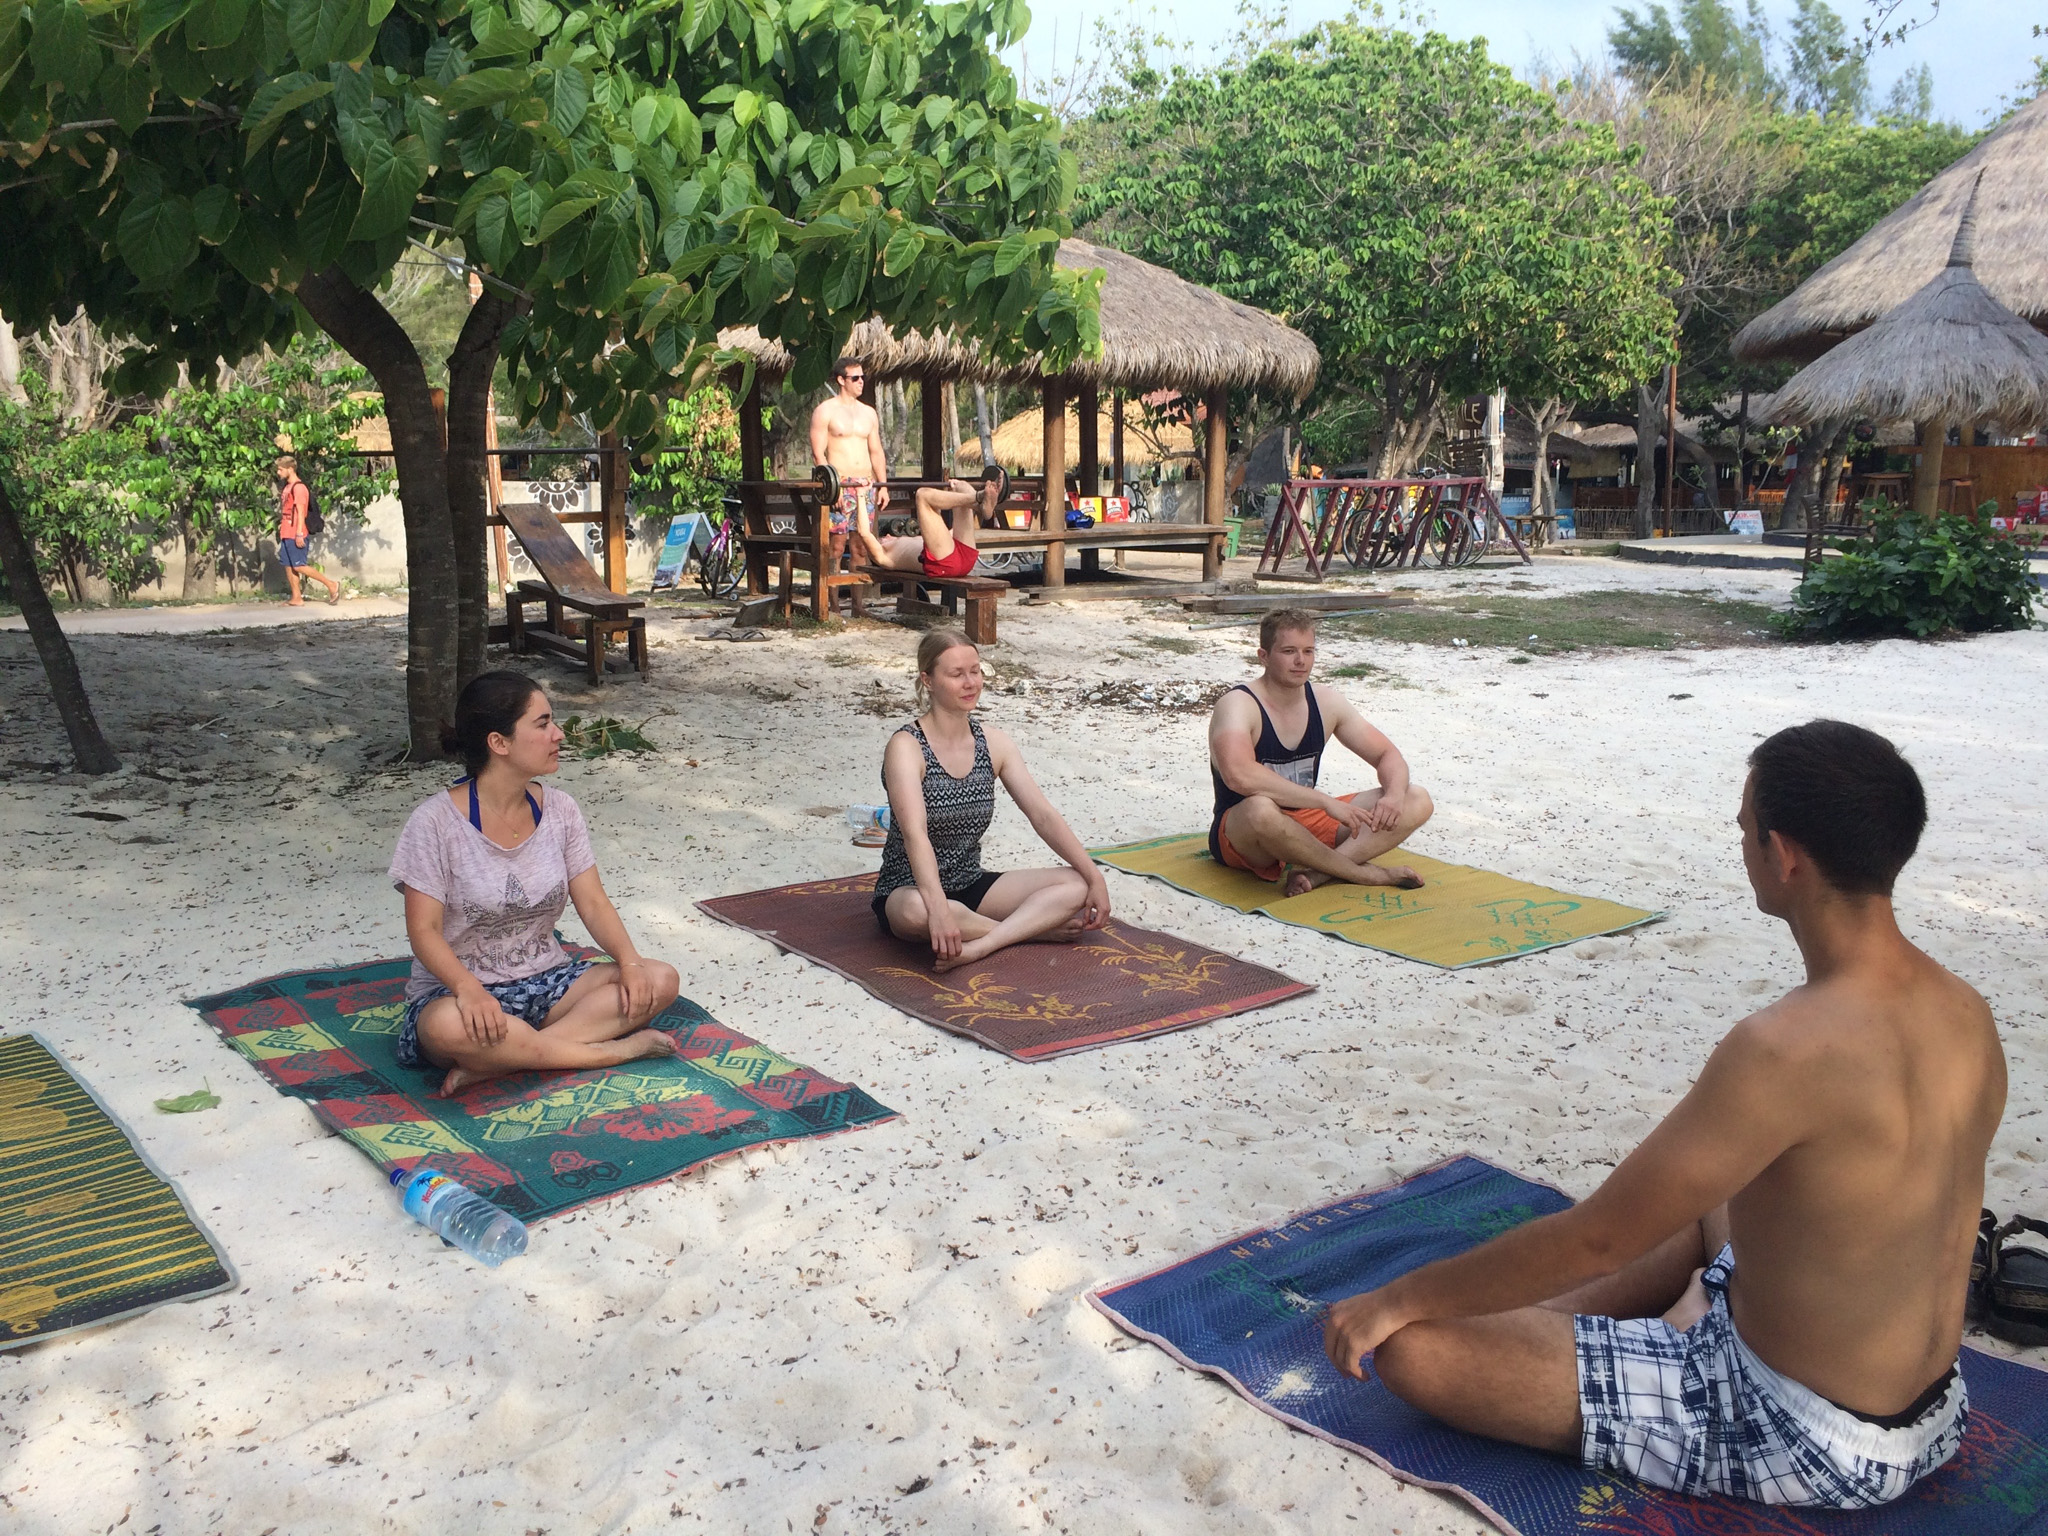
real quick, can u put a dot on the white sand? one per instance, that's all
(786, 1341)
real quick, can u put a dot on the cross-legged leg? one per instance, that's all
(589, 1027)
(1514, 1375)
(1265, 835)
(1364, 847)
(1028, 904)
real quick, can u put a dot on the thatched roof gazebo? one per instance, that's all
(1950, 355)
(1020, 442)
(1898, 257)
(1158, 331)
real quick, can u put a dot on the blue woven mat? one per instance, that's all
(1250, 1310)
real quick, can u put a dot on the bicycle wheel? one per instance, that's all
(720, 571)
(1448, 540)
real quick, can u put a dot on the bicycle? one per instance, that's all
(722, 563)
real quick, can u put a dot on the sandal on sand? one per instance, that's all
(2016, 1284)
(874, 837)
(730, 633)
(1980, 1266)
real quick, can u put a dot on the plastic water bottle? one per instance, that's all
(868, 818)
(460, 1216)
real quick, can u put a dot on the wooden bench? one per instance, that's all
(784, 528)
(568, 582)
(980, 592)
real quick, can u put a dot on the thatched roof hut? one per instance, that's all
(1950, 354)
(1905, 250)
(1020, 441)
(1157, 329)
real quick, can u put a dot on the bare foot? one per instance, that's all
(459, 1078)
(1296, 881)
(647, 1042)
(1380, 874)
(333, 596)
(1690, 1307)
(297, 602)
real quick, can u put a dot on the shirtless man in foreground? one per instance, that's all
(1270, 818)
(847, 434)
(1826, 1169)
(949, 523)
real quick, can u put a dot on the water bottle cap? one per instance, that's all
(399, 1176)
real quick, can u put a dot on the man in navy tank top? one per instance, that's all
(1266, 741)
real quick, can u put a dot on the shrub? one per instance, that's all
(1918, 576)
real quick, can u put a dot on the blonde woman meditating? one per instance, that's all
(940, 772)
(486, 868)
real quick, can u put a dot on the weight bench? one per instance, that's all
(981, 593)
(601, 615)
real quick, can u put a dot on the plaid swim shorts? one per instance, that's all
(1697, 1412)
(528, 998)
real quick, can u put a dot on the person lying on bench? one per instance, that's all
(1766, 1298)
(1270, 818)
(940, 772)
(486, 868)
(948, 524)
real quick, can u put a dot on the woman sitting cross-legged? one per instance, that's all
(940, 772)
(486, 868)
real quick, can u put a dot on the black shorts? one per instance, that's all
(970, 896)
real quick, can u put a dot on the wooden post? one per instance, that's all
(1927, 469)
(930, 393)
(1116, 442)
(1088, 405)
(611, 483)
(1215, 471)
(494, 491)
(1670, 444)
(1053, 402)
(751, 455)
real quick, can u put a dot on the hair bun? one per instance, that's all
(451, 740)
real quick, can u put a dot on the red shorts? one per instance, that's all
(953, 566)
(1325, 828)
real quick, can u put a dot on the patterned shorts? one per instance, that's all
(1697, 1412)
(528, 998)
(855, 496)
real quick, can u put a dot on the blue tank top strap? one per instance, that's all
(476, 811)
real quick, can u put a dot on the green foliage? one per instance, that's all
(1432, 223)
(601, 736)
(1706, 36)
(214, 449)
(701, 456)
(1845, 177)
(1917, 576)
(85, 499)
(643, 174)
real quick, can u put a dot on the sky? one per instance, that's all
(1978, 49)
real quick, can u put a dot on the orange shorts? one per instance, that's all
(1325, 828)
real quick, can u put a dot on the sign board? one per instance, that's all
(685, 532)
(1472, 414)
(1750, 520)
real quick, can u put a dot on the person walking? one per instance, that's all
(294, 502)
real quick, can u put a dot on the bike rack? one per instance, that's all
(1384, 524)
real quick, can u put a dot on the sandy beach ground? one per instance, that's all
(885, 1331)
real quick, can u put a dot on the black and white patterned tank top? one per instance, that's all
(956, 815)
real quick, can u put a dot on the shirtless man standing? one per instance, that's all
(847, 434)
(1766, 1298)
(1270, 818)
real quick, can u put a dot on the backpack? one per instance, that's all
(315, 523)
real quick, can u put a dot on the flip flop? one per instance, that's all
(735, 634)
(876, 838)
(2016, 1284)
(1980, 1266)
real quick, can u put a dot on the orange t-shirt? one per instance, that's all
(292, 504)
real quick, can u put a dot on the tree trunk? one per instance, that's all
(10, 366)
(1649, 429)
(1833, 462)
(1799, 495)
(984, 427)
(364, 329)
(60, 667)
(949, 421)
(470, 365)
(1408, 412)
(201, 580)
(1543, 421)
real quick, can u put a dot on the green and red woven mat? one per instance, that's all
(536, 1143)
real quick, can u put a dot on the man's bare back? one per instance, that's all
(1834, 1143)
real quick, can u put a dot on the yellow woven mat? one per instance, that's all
(1461, 916)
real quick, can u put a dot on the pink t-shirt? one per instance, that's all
(499, 905)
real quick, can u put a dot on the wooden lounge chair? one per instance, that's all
(568, 582)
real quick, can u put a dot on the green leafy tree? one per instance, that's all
(1706, 37)
(700, 456)
(625, 179)
(86, 494)
(1432, 223)
(215, 450)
